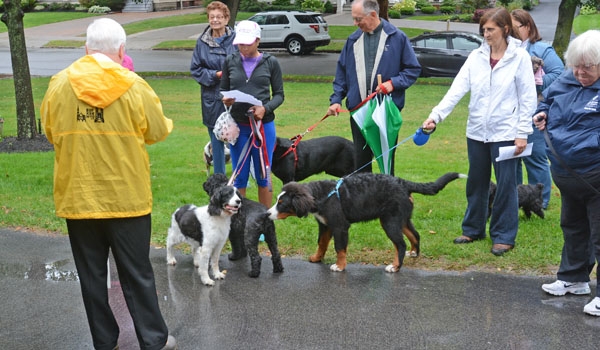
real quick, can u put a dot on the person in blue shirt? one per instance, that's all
(538, 169)
(376, 48)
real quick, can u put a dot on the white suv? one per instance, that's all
(299, 32)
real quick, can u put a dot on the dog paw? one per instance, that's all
(335, 268)
(171, 261)
(411, 254)
(208, 282)
(254, 274)
(220, 275)
(391, 268)
(314, 258)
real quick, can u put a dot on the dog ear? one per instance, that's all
(207, 187)
(302, 199)
(216, 202)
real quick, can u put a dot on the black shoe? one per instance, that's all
(463, 240)
(500, 249)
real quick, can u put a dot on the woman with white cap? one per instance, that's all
(258, 74)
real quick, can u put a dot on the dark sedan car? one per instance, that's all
(441, 54)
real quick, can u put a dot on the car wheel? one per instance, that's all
(294, 46)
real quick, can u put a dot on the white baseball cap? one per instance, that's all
(246, 32)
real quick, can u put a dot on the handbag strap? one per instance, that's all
(564, 165)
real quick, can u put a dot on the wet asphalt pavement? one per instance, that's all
(305, 307)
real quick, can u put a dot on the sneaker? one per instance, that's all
(561, 288)
(171, 343)
(593, 307)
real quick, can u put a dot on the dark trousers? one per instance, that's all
(129, 240)
(504, 221)
(580, 223)
(363, 155)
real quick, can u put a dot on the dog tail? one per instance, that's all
(432, 188)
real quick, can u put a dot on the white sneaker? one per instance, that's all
(561, 288)
(593, 307)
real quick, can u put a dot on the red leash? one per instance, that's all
(298, 138)
(256, 141)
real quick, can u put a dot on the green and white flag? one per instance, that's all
(379, 121)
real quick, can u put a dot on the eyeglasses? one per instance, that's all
(212, 18)
(585, 67)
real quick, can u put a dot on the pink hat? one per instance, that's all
(246, 32)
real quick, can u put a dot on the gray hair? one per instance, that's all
(105, 35)
(584, 49)
(370, 5)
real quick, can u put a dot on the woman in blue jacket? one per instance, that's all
(215, 43)
(570, 114)
(538, 169)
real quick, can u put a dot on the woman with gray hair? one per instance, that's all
(569, 115)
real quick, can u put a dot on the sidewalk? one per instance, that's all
(37, 37)
(305, 307)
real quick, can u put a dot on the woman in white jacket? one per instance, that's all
(503, 98)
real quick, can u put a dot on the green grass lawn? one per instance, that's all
(178, 170)
(34, 19)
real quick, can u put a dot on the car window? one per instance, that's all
(462, 43)
(318, 18)
(277, 19)
(432, 43)
(260, 19)
(307, 19)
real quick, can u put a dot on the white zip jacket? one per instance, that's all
(503, 99)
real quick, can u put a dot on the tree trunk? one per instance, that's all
(13, 18)
(564, 26)
(383, 9)
(234, 6)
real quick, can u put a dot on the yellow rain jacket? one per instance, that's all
(100, 116)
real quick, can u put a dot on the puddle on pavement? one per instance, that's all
(51, 271)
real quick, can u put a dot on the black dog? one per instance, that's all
(251, 221)
(333, 155)
(361, 197)
(530, 199)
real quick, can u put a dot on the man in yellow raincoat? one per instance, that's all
(100, 116)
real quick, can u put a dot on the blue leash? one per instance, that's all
(341, 180)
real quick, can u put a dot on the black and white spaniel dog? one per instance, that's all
(205, 229)
(357, 198)
(333, 155)
(246, 227)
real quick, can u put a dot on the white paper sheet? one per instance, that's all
(242, 97)
(508, 152)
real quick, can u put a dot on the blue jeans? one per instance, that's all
(241, 180)
(504, 222)
(218, 153)
(538, 168)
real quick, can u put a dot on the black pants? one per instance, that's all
(129, 240)
(580, 223)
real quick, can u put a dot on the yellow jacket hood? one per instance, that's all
(99, 81)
